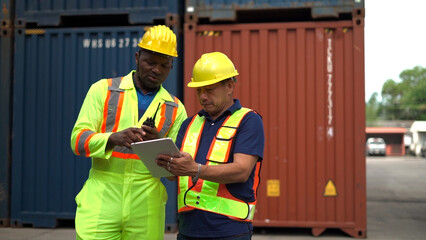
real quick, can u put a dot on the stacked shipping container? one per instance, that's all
(301, 67)
(55, 64)
(50, 13)
(306, 79)
(54, 70)
(235, 10)
(6, 47)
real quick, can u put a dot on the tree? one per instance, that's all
(415, 99)
(372, 109)
(405, 100)
(391, 100)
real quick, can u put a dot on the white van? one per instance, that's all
(376, 146)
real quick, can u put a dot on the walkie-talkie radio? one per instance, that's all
(150, 121)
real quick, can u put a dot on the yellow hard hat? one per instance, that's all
(212, 68)
(159, 39)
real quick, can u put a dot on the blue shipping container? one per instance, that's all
(54, 69)
(226, 10)
(171, 206)
(5, 110)
(48, 13)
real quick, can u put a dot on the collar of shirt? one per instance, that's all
(148, 93)
(144, 100)
(236, 106)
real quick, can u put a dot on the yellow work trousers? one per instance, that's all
(114, 206)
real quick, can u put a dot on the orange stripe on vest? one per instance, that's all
(118, 115)
(103, 127)
(125, 155)
(77, 141)
(86, 145)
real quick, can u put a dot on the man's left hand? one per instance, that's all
(150, 133)
(179, 166)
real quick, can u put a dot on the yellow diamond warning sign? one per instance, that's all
(330, 189)
(273, 188)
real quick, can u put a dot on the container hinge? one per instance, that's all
(191, 18)
(358, 12)
(6, 28)
(5, 24)
(173, 21)
(6, 32)
(191, 15)
(358, 16)
(19, 23)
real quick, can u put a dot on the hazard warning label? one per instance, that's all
(273, 188)
(330, 189)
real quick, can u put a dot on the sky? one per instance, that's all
(395, 40)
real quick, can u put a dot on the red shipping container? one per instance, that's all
(306, 79)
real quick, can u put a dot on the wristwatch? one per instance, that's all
(195, 179)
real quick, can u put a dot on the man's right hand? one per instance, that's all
(125, 138)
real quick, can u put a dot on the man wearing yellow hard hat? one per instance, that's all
(222, 150)
(120, 199)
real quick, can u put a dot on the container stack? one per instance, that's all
(301, 66)
(61, 48)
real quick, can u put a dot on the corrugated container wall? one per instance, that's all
(51, 13)
(6, 47)
(236, 10)
(306, 79)
(54, 69)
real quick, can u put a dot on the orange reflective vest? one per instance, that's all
(211, 196)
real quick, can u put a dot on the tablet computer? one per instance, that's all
(149, 150)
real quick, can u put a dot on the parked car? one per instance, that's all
(376, 146)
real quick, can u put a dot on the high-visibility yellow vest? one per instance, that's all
(114, 108)
(207, 195)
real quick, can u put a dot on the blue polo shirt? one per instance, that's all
(144, 100)
(248, 140)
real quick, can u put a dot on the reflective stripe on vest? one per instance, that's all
(114, 102)
(212, 196)
(123, 152)
(82, 142)
(111, 119)
(113, 105)
(169, 111)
